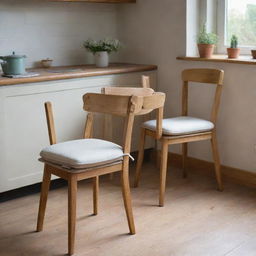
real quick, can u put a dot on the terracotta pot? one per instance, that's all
(233, 53)
(253, 54)
(205, 50)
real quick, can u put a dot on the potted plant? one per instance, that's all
(101, 50)
(253, 53)
(206, 42)
(233, 51)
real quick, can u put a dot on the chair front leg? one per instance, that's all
(95, 194)
(43, 198)
(127, 195)
(140, 157)
(72, 197)
(163, 171)
(184, 159)
(216, 161)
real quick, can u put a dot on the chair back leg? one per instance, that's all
(127, 195)
(72, 197)
(216, 161)
(140, 157)
(163, 171)
(43, 199)
(184, 159)
(95, 195)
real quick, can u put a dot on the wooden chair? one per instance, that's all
(73, 168)
(184, 129)
(124, 105)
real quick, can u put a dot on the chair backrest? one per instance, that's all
(50, 122)
(208, 76)
(120, 105)
(127, 91)
(151, 101)
(145, 81)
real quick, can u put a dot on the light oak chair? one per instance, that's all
(89, 158)
(184, 129)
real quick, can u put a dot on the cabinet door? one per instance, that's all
(26, 130)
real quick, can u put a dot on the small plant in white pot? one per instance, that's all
(101, 50)
(206, 42)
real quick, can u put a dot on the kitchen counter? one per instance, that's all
(22, 107)
(71, 72)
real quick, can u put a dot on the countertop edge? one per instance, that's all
(120, 69)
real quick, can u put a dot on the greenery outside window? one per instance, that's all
(236, 17)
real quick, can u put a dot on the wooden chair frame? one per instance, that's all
(125, 106)
(209, 76)
(156, 100)
(145, 90)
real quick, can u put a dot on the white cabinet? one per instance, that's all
(23, 130)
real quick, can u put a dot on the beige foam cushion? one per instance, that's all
(85, 153)
(181, 125)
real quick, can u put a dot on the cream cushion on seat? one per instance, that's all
(181, 125)
(85, 153)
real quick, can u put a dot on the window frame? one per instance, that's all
(222, 8)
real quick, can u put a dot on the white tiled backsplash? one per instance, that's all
(41, 29)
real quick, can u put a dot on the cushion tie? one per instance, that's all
(127, 154)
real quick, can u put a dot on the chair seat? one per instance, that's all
(82, 154)
(182, 125)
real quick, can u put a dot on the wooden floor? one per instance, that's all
(196, 221)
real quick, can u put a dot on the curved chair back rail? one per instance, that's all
(208, 76)
(128, 91)
(119, 105)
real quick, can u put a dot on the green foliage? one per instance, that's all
(105, 45)
(242, 25)
(206, 38)
(234, 41)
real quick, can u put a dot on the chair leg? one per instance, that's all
(184, 158)
(140, 157)
(43, 199)
(127, 195)
(72, 197)
(95, 194)
(216, 161)
(163, 171)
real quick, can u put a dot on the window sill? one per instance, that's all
(223, 58)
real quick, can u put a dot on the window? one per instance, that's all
(237, 17)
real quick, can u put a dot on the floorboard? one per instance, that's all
(197, 220)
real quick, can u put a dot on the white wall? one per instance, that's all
(42, 29)
(155, 32)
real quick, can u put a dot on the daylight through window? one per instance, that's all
(241, 21)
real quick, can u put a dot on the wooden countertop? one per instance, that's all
(71, 72)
